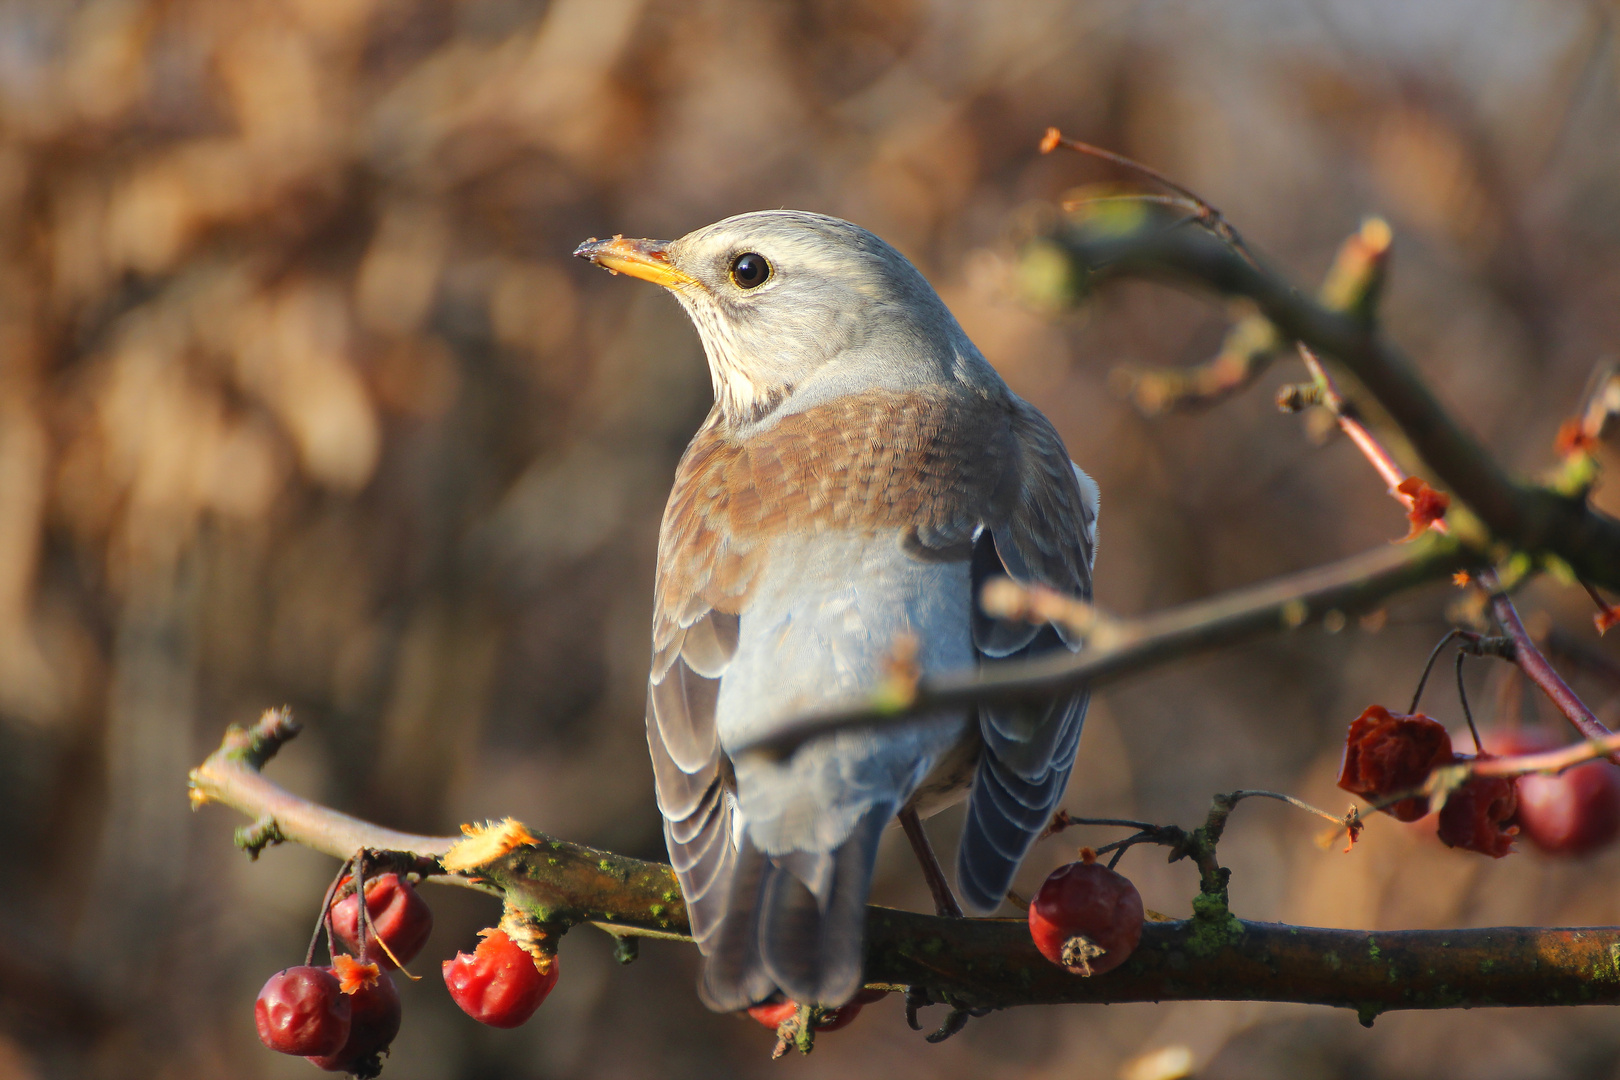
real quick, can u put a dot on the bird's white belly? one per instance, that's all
(822, 630)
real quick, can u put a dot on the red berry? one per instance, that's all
(499, 984)
(772, 1013)
(1086, 918)
(302, 1011)
(374, 1022)
(1573, 813)
(1386, 753)
(398, 913)
(1478, 815)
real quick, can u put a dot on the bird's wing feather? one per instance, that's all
(888, 464)
(1045, 536)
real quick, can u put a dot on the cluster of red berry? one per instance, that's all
(1391, 754)
(344, 1016)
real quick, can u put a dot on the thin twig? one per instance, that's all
(1428, 666)
(324, 922)
(1462, 696)
(1550, 762)
(1356, 584)
(1251, 793)
(1063, 820)
(1349, 421)
(1535, 665)
(1204, 211)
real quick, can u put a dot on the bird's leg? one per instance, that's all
(944, 900)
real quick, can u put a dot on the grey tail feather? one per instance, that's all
(733, 974)
(796, 923)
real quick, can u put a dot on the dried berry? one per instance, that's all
(397, 912)
(1427, 506)
(374, 1021)
(1478, 816)
(499, 984)
(1086, 917)
(1573, 813)
(302, 1011)
(1387, 753)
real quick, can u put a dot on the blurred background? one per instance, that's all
(303, 401)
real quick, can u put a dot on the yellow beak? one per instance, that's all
(645, 259)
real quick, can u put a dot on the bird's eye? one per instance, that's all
(750, 270)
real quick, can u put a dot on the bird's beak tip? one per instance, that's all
(645, 259)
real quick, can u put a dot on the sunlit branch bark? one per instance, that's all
(991, 963)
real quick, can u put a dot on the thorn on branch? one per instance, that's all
(254, 838)
(1297, 397)
(256, 745)
(1607, 615)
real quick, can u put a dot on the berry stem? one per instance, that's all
(324, 922)
(362, 921)
(1462, 696)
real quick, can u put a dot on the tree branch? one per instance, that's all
(1352, 285)
(1531, 518)
(991, 963)
(1356, 584)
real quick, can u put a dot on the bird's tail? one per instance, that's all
(795, 922)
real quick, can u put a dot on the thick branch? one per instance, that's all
(1353, 585)
(991, 963)
(1531, 518)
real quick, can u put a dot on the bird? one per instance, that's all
(862, 473)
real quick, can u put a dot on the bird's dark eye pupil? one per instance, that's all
(749, 270)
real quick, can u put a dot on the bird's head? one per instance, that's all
(793, 304)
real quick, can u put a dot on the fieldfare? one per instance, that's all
(862, 473)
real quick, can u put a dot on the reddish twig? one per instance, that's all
(1203, 211)
(1421, 502)
(1536, 666)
